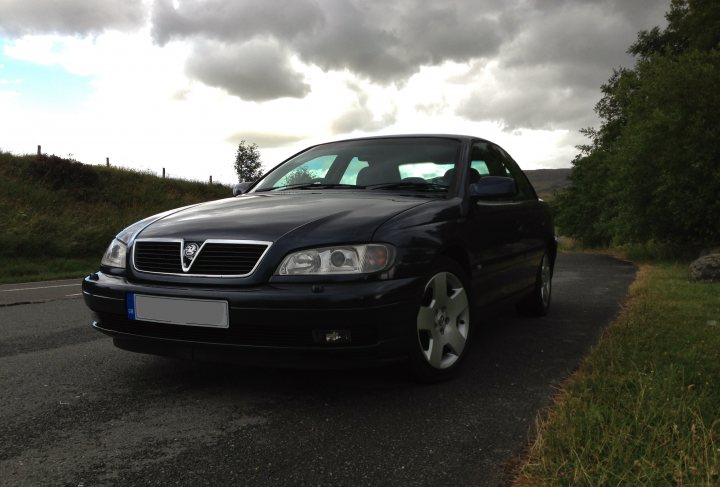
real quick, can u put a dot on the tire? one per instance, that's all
(538, 302)
(439, 341)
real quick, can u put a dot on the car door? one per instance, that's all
(499, 229)
(530, 221)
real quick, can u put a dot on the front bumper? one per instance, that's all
(272, 324)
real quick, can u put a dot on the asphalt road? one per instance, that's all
(39, 292)
(75, 411)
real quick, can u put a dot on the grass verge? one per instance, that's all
(45, 268)
(643, 409)
(56, 212)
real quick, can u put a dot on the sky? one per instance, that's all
(177, 84)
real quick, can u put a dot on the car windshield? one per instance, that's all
(403, 164)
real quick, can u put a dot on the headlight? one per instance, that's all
(115, 255)
(343, 259)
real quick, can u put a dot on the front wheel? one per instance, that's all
(538, 303)
(442, 325)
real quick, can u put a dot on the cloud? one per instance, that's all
(535, 97)
(239, 20)
(360, 117)
(388, 42)
(327, 66)
(586, 36)
(533, 108)
(377, 40)
(254, 71)
(549, 74)
(21, 17)
(264, 140)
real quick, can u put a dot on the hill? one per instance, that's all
(59, 215)
(547, 181)
(54, 207)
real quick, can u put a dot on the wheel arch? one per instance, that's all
(459, 255)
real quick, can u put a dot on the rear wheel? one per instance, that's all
(442, 325)
(538, 303)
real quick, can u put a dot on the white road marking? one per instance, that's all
(33, 288)
(68, 295)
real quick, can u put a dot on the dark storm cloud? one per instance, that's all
(20, 17)
(389, 41)
(550, 56)
(570, 33)
(257, 70)
(549, 74)
(238, 20)
(381, 41)
(532, 98)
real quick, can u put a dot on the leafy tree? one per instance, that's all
(301, 175)
(247, 162)
(651, 171)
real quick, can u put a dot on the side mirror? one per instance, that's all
(241, 188)
(493, 187)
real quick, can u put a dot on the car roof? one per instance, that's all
(464, 138)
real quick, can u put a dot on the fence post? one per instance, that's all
(163, 173)
(39, 151)
(107, 161)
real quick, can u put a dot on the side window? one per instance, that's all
(352, 170)
(489, 160)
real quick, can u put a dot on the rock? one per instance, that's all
(710, 250)
(706, 268)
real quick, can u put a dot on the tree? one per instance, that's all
(651, 171)
(300, 175)
(247, 162)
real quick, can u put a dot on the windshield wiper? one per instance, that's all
(313, 186)
(409, 185)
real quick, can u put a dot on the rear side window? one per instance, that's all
(429, 171)
(526, 190)
(480, 166)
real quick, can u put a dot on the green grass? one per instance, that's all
(57, 214)
(644, 407)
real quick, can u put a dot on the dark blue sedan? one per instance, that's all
(353, 252)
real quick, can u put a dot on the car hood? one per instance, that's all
(309, 216)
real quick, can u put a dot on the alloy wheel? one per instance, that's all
(443, 320)
(545, 281)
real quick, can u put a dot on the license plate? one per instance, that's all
(178, 311)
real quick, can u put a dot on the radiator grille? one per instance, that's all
(163, 257)
(213, 259)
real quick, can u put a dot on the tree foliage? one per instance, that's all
(651, 171)
(301, 175)
(247, 162)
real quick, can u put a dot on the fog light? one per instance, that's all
(332, 337)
